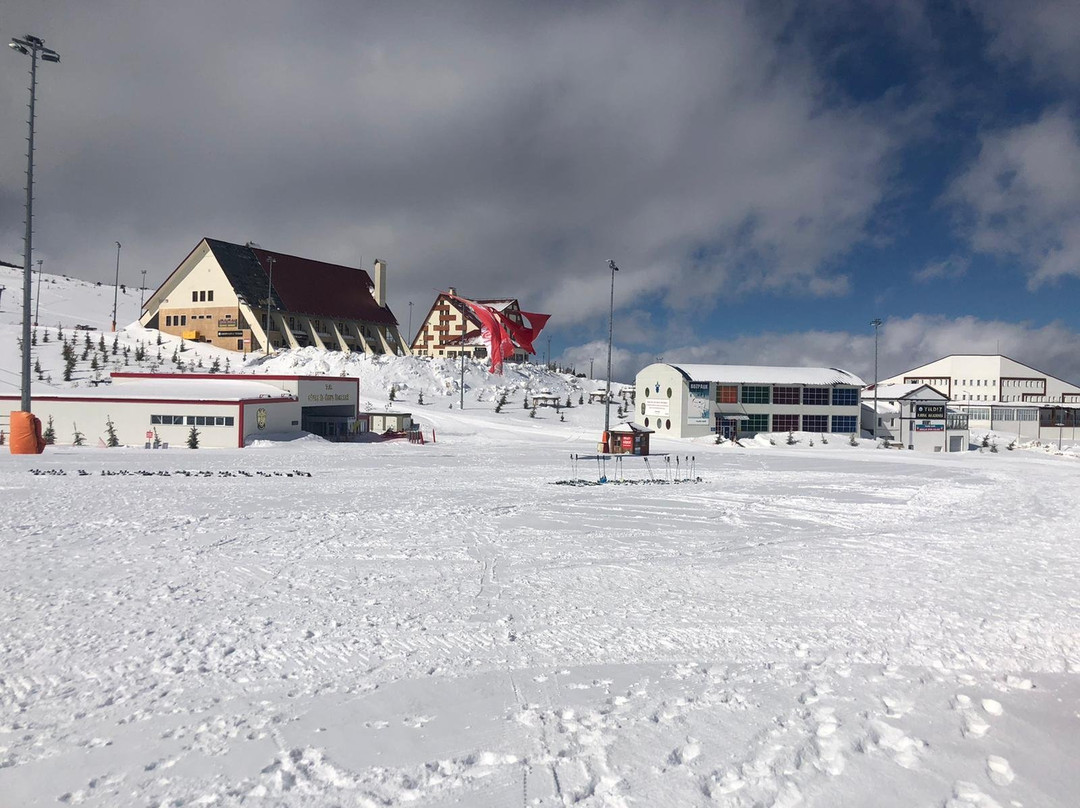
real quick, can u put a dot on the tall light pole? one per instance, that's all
(1061, 426)
(876, 323)
(269, 294)
(610, 331)
(116, 286)
(37, 300)
(142, 292)
(410, 325)
(30, 46)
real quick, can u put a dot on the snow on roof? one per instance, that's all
(229, 389)
(630, 426)
(762, 374)
(895, 391)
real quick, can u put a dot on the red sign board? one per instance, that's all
(149, 433)
(627, 441)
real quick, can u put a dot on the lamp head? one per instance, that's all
(611, 265)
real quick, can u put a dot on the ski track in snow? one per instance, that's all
(439, 625)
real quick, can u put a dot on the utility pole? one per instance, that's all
(37, 302)
(30, 46)
(610, 331)
(876, 323)
(269, 294)
(142, 292)
(116, 286)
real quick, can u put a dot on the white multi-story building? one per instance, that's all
(686, 401)
(999, 393)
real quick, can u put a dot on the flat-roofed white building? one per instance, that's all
(227, 410)
(690, 400)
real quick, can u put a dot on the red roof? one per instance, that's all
(327, 290)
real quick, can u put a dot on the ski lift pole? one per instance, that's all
(648, 468)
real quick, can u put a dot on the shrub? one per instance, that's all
(193, 439)
(791, 439)
(49, 435)
(79, 438)
(853, 441)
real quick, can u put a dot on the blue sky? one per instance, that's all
(769, 176)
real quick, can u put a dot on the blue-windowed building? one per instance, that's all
(687, 400)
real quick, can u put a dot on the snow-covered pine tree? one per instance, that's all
(110, 431)
(49, 435)
(79, 438)
(193, 439)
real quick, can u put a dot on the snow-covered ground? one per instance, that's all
(445, 624)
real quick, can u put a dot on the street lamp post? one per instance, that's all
(33, 47)
(37, 299)
(116, 286)
(1061, 427)
(410, 324)
(269, 294)
(142, 292)
(876, 323)
(610, 331)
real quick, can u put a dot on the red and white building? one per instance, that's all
(227, 410)
(451, 328)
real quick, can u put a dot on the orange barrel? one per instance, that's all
(26, 434)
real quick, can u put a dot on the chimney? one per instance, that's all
(380, 282)
(452, 290)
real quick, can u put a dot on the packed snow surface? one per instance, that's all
(444, 625)
(311, 624)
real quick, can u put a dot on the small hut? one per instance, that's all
(628, 438)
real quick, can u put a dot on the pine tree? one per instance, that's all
(37, 368)
(49, 435)
(86, 342)
(85, 354)
(501, 402)
(568, 404)
(532, 412)
(33, 337)
(101, 343)
(791, 439)
(215, 366)
(115, 345)
(140, 352)
(60, 332)
(393, 392)
(228, 364)
(193, 439)
(157, 440)
(69, 366)
(45, 336)
(94, 363)
(854, 441)
(581, 398)
(159, 338)
(110, 430)
(420, 398)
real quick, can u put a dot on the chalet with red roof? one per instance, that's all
(226, 294)
(451, 328)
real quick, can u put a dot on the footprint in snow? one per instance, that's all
(999, 770)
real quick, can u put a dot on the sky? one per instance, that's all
(769, 177)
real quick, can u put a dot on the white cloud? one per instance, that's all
(953, 267)
(903, 344)
(1042, 33)
(1021, 196)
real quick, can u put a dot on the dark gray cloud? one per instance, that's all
(501, 148)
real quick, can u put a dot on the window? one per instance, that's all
(202, 296)
(785, 423)
(755, 394)
(815, 423)
(168, 319)
(191, 420)
(194, 297)
(979, 413)
(210, 296)
(667, 424)
(759, 422)
(844, 423)
(643, 409)
(785, 395)
(239, 345)
(646, 422)
(183, 319)
(727, 393)
(816, 396)
(845, 396)
(669, 392)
